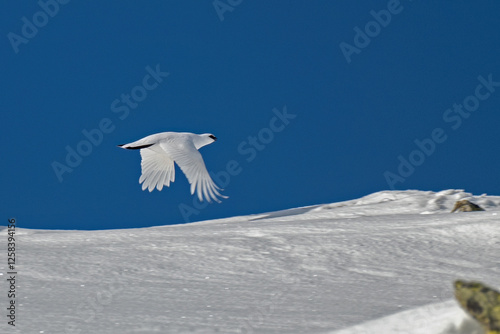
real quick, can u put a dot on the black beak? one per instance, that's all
(213, 137)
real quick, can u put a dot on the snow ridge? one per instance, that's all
(376, 263)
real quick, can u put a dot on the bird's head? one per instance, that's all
(204, 139)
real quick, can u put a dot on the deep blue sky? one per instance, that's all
(353, 119)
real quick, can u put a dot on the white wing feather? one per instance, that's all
(190, 161)
(157, 168)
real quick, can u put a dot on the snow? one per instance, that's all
(383, 263)
(442, 318)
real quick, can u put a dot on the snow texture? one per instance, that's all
(384, 263)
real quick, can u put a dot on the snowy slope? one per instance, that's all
(316, 269)
(443, 318)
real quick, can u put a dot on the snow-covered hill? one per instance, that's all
(384, 263)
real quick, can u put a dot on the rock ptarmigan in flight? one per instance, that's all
(159, 152)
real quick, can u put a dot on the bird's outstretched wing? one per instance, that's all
(191, 163)
(157, 168)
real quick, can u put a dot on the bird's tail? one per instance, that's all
(131, 146)
(139, 144)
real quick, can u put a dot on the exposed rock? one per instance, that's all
(466, 206)
(481, 302)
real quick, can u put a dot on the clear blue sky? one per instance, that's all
(363, 88)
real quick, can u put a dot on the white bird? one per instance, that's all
(161, 150)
